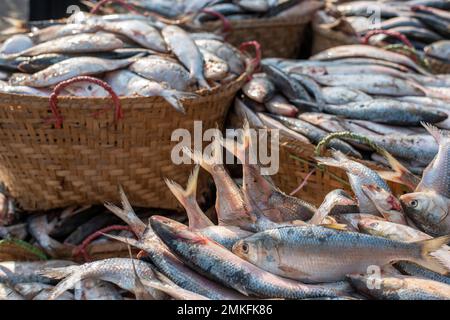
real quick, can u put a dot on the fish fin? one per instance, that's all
(129, 241)
(335, 226)
(432, 262)
(140, 292)
(129, 217)
(403, 175)
(58, 273)
(437, 134)
(64, 285)
(187, 198)
(198, 158)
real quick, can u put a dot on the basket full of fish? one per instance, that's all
(264, 244)
(413, 27)
(278, 25)
(368, 103)
(91, 102)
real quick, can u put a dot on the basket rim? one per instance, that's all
(262, 22)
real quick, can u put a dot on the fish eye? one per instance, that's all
(245, 248)
(414, 203)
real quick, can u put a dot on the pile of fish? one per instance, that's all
(230, 9)
(135, 55)
(381, 95)
(425, 23)
(267, 244)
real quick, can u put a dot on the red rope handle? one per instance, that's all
(226, 24)
(258, 54)
(81, 249)
(391, 33)
(123, 3)
(60, 87)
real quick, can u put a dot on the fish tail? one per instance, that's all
(173, 97)
(188, 199)
(203, 83)
(68, 283)
(198, 158)
(129, 241)
(400, 174)
(433, 262)
(58, 273)
(330, 162)
(126, 214)
(437, 134)
(240, 150)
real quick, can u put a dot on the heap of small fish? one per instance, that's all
(231, 9)
(267, 244)
(135, 55)
(381, 95)
(425, 23)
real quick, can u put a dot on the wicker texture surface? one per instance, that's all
(438, 66)
(85, 161)
(325, 39)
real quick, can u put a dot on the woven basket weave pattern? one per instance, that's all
(86, 160)
(438, 66)
(324, 39)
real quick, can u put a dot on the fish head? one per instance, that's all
(171, 231)
(428, 210)
(371, 226)
(385, 202)
(259, 249)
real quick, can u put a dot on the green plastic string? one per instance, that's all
(405, 50)
(26, 246)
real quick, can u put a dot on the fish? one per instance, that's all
(118, 271)
(400, 288)
(272, 124)
(439, 50)
(378, 84)
(164, 260)
(69, 69)
(414, 270)
(38, 291)
(387, 111)
(324, 121)
(126, 83)
(15, 272)
(8, 293)
(290, 88)
(436, 175)
(39, 227)
(80, 43)
(215, 68)
(198, 221)
(317, 254)
(336, 202)
(253, 5)
(140, 32)
(187, 52)
(343, 95)
(352, 219)
(279, 105)
(24, 90)
(97, 290)
(260, 190)
(358, 175)
(387, 204)
(224, 51)
(244, 112)
(162, 69)
(429, 210)
(366, 51)
(221, 265)
(16, 44)
(259, 89)
(315, 135)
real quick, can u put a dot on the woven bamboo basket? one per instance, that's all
(84, 161)
(279, 37)
(438, 66)
(324, 38)
(297, 163)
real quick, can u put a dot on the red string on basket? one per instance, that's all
(258, 55)
(226, 24)
(81, 249)
(123, 3)
(391, 33)
(57, 117)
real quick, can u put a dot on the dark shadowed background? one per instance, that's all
(50, 9)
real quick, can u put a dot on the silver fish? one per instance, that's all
(401, 288)
(163, 69)
(358, 175)
(259, 89)
(343, 95)
(126, 83)
(215, 67)
(39, 227)
(318, 254)
(187, 52)
(281, 106)
(68, 69)
(80, 43)
(16, 44)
